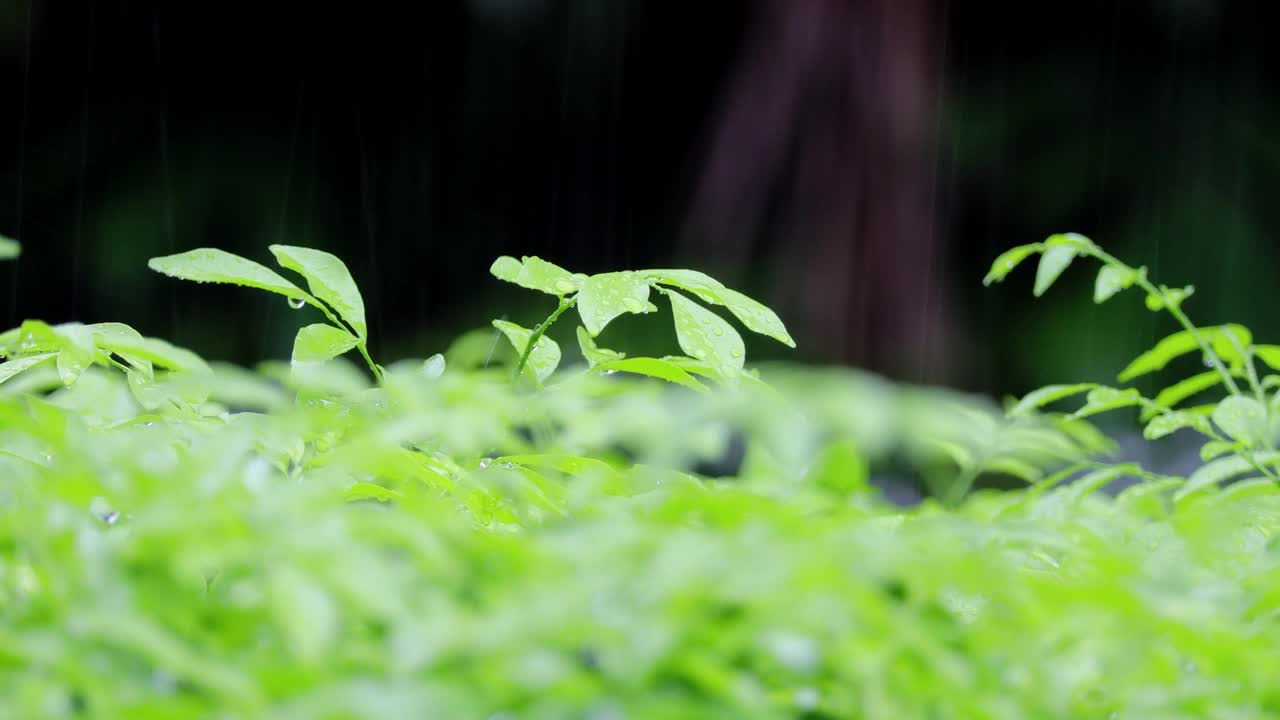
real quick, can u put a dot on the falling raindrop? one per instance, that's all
(296, 303)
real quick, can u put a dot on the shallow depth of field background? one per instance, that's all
(854, 164)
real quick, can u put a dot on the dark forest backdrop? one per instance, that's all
(854, 163)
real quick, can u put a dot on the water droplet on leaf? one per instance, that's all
(564, 286)
(297, 303)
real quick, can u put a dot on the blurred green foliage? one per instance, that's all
(184, 539)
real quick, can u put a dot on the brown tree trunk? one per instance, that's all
(828, 127)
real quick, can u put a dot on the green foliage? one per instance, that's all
(1244, 421)
(304, 540)
(711, 343)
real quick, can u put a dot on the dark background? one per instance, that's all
(857, 165)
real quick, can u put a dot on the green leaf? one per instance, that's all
(1112, 280)
(606, 296)
(328, 279)
(1223, 469)
(305, 611)
(1016, 467)
(1169, 297)
(77, 353)
(756, 316)
(1269, 354)
(840, 469)
(1215, 448)
(1168, 423)
(217, 266)
(1183, 342)
(1070, 239)
(13, 367)
(433, 367)
(1176, 393)
(537, 274)
(110, 337)
(1009, 260)
(370, 491)
(33, 336)
(706, 336)
(592, 353)
(705, 287)
(321, 342)
(652, 367)
(545, 356)
(1243, 419)
(1103, 399)
(1045, 395)
(1086, 484)
(1052, 262)
(151, 350)
(9, 249)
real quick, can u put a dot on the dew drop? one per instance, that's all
(297, 303)
(564, 286)
(509, 466)
(110, 518)
(484, 463)
(1008, 264)
(633, 304)
(719, 332)
(736, 353)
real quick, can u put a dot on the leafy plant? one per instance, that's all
(304, 540)
(1240, 428)
(713, 348)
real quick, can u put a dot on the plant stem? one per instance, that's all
(1191, 329)
(1177, 313)
(364, 352)
(362, 346)
(538, 332)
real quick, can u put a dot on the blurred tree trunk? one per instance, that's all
(824, 149)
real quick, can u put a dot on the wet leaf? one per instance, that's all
(321, 342)
(218, 266)
(706, 336)
(546, 353)
(1008, 260)
(328, 279)
(606, 296)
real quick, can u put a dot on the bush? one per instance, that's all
(487, 535)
